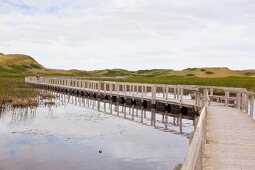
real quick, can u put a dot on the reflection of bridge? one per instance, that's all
(134, 114)
(227, 127)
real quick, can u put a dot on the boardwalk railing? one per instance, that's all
(194, 158)
(164, 93)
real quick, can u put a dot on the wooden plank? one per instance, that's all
(231, 139)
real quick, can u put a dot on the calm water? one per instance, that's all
(70, 136)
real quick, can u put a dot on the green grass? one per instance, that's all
(239, 82)
(190, 75)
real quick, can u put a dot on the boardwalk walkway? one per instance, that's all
(230, 139)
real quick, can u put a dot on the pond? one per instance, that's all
(71, 134)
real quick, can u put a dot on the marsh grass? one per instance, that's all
(14, 91)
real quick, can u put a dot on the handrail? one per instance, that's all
(194, 158)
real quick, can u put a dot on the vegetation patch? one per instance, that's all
(15, 92)
(203, 70)
(248, 73)
(191, 69)
(209, 72)
(190, 75)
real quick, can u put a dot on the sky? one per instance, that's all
(130, 34)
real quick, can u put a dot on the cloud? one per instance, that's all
(130, 34)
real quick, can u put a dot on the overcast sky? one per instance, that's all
(131, 34)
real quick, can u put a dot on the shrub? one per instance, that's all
(189, 75)
(209, 72)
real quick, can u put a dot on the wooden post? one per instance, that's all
(247, 104)
(226, 98)
(175, 93)
(238, 100)
(181, 95)
(211, 91)
(252, 106)
(163, 91)
(167, 93)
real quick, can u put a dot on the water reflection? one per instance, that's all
(22, 116)
(69, 135)
(139, 115)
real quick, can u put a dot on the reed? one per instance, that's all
(15, 92)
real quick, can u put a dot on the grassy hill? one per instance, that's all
(23, 65)
(18, 64)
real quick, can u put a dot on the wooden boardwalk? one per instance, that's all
(230, 139)
(224, 137)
